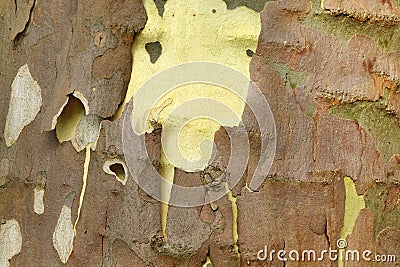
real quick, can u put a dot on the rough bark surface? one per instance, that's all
(330, 72)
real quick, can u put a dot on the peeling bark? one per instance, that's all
(329, 70)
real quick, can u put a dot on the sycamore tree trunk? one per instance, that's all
(328, 69)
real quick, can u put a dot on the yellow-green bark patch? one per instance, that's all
(353, 205)
(375, 119)
(343, 28)
(179, 32)
(190, 31)
(291, 77)
(383, 217)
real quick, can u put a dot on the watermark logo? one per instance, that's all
(139, 113)
(341, 243)
(342, 253)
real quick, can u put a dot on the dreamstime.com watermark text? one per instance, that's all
(342, 253)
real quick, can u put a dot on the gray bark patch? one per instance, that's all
(160, 6)
(256, 5)
(154, 49)
(25, 104)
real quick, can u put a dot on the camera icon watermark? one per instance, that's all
(140, 113)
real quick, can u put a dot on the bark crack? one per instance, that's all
(315, 140)
(18, 38)
(363, 143)
(103, 239)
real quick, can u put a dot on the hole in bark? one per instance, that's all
(69, 119)
(118, 170)
(100, 39)
(249, 52)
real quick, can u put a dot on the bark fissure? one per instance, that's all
(18, 38)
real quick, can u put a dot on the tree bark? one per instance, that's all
(330, 73)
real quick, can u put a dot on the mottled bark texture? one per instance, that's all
(330, 72)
